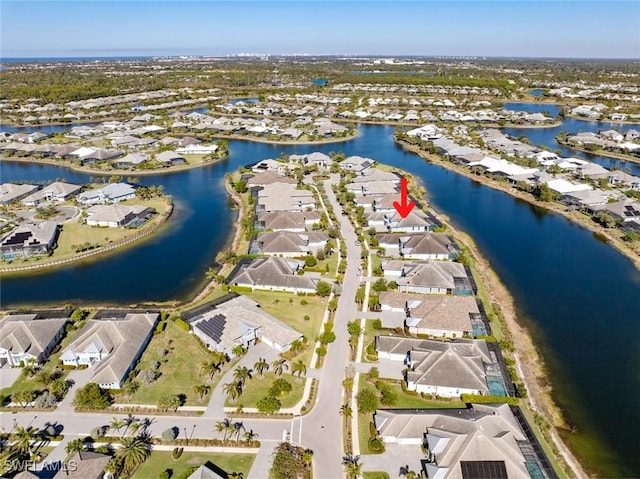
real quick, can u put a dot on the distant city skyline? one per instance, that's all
(94, 28)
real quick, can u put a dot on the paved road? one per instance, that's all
(322, 428)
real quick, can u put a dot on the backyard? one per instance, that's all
(256, 388)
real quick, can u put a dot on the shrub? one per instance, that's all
(280, 387)
(372, 430)
(164, 474)
(268, 405)
(310, 260)
(303, 302)
(321, 351)
(367, 401)
(92, 397)
(323, 289)
(376, 324)
(177, 452)
(375, 445)
(473, 398)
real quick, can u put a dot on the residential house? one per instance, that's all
(268, 177)
(111, 343)
(481, 441)
(446, 368)
(56, 191)
(357, 164)
(627, 210)
(84, 465)
(112, 193)
(29, 239)
(117, 216)
(296, 221)
(284, 197)
(171, 158)
(206, 472)
(131, 160)
(585, 198)
(273, 274)
(197, 149)
(10, 192)
(237, 320)
(414, 222)
(288, 243)
(321, 160)
(29, 337)
(437, 246)
(430, 277)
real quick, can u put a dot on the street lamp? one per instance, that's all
(185, 435)
(192, 431)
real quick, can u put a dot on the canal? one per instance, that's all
(578, 296)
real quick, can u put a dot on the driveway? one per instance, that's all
(394, 460)
(8, 376)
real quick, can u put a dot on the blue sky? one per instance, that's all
(602, 29)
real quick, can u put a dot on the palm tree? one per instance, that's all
(133, 451)
(352, 465)
(250, 436)
(225, 427)
(300, 368)
(201, 391)
(238, 427)
(128, 422)
(77, 445)
(210, 367)
(239, 350)
(23, 436)
(279, 366)
(233, 390)
(134, 427)
(240, 374)
(346, 411)
(261, 366)
(117, 424)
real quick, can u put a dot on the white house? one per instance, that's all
(29, 337)
(111, 345)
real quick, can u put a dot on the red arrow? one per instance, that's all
(403, 208)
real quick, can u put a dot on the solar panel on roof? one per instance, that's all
(483, 470)
(213, 327)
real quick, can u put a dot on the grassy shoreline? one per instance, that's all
(608, 154)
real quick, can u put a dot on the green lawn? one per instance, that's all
(181, 371)
(369, 334)
(160, 461)
(375, 475)
(332, 261)
(256, 388)
(287, 308)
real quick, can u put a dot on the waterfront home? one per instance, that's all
(284, 197)
(438, 246)
(270, 165)
(481, 441)
(321, 160)
(56, 191)
(111, 342)
(84, 465)
(437, 316)
(30, 337)
(357, 164)
(131, 160)
(414, 222)
(89, 156)
(373, 188)
(562, 186)
(376, 175)
(619, 179)
(197, 149)
(117, 216)
(430, 277)
(628, 211)
(273, 274)
(237, 320)
(268, 177)
(10, 192)
(446, 368)
(29, 239)
(112, 193)
(585, 199)
(171, 158)
(288, 244)
(500, 167)
(296, 221)
(426, 132)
